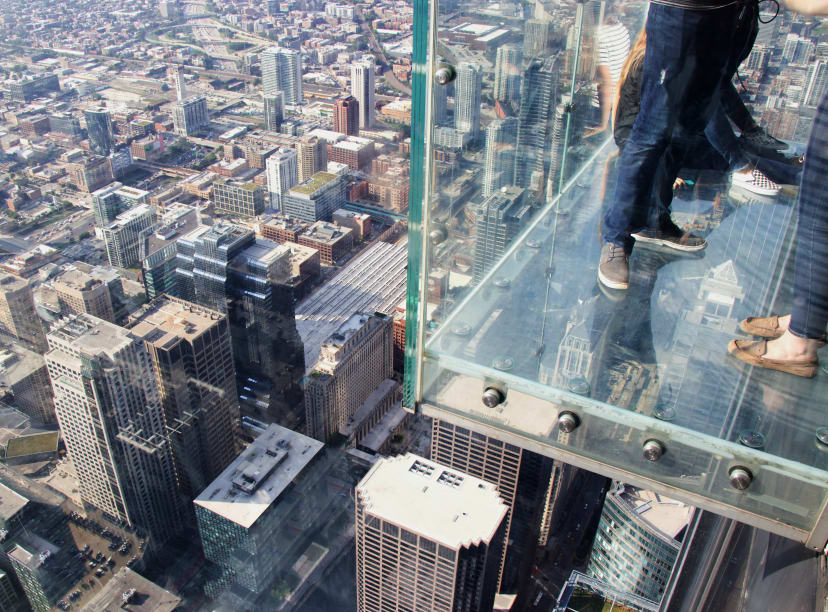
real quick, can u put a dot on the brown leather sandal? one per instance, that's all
(753, 351)
(764, 327)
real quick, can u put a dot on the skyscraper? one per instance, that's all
(427, 538)
(282, 173)
(178, 83)
(508, 73)
(109, 410)
(352, 363)
(536, 34)
(346, 115)
(499, 219)
(193, 364)
(467, 99)
(817, 82)
(282, 71)
(537, 95)
(522, 478)
(99, 128)
(121, 237)
(499, 168)
(274, 110)
(440, 104)
(190, 115)
(226, 268)
(363, 86)
(18, 317)
(316, 198)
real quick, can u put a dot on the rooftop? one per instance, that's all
(75, 279)
(128, 590)
(10, 503)
(667, 515)
(16, 363)
(439, 503)
(315, 183)
(257, 477)
(322, 231)
(89, 335)
(165, 320)
(130, 215)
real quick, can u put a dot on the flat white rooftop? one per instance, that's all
(437, 502)
(257, 477)
(374, 281)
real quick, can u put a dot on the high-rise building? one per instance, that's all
(178, 84)
(536, 105)
(427, 538)
(316, 198)
(282, 71)
(467, 99)
(66, 123)
(500, 218)
(536, 34)
(274, 110)
(99, 128)
(346, 115)
(91, 173)
(363, 88)
(18, 317)
(282, 173)
(522, 478)
(193, 363)
(353, 361)
(80, 292)
(110, 201)
(190, 115)
(440, 104)
(122, 235)
(312, 156)
(28, 88)
(499, 168)
(226, 268)
(110, 414)
(238, 198)
(9, 598)
(508, 73)
(817, 82)
(256, 517)
(638, 540)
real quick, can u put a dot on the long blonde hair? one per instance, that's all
(634, 59)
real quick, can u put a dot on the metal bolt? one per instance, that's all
(445, 74)
(740, 477)
(492, 397)
(568, 421)
(653, 450)
(438, 235)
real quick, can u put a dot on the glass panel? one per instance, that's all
(520, 167)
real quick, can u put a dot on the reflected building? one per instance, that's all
(508, 73)
(537, 96)
(536, 34)
(427, 538)
(499, 168)
(467, 99)
(18, 318)
(274, 110)
(499, 219)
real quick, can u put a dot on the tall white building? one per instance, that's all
(508, 73)
(427, 538)
(501, 145)
(363, 86)
(282, 71)
(180, 91)
(817, 82)
(282, 173)
(109, 410)
(467, 99)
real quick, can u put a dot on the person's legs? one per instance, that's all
(735, 108)
(810, 306)
(683, 68)
(721, 136)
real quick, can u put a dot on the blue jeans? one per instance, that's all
(687, 59)
(809, 316)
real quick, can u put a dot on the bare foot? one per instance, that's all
(792, 348)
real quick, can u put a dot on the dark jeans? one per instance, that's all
(810, 304)
(685, 64)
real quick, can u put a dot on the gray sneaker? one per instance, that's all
(672, 237)
(614, 269)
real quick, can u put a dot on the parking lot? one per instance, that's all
(103, 549)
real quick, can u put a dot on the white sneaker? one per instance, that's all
(755, 182)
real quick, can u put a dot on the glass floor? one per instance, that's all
(647, 364)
